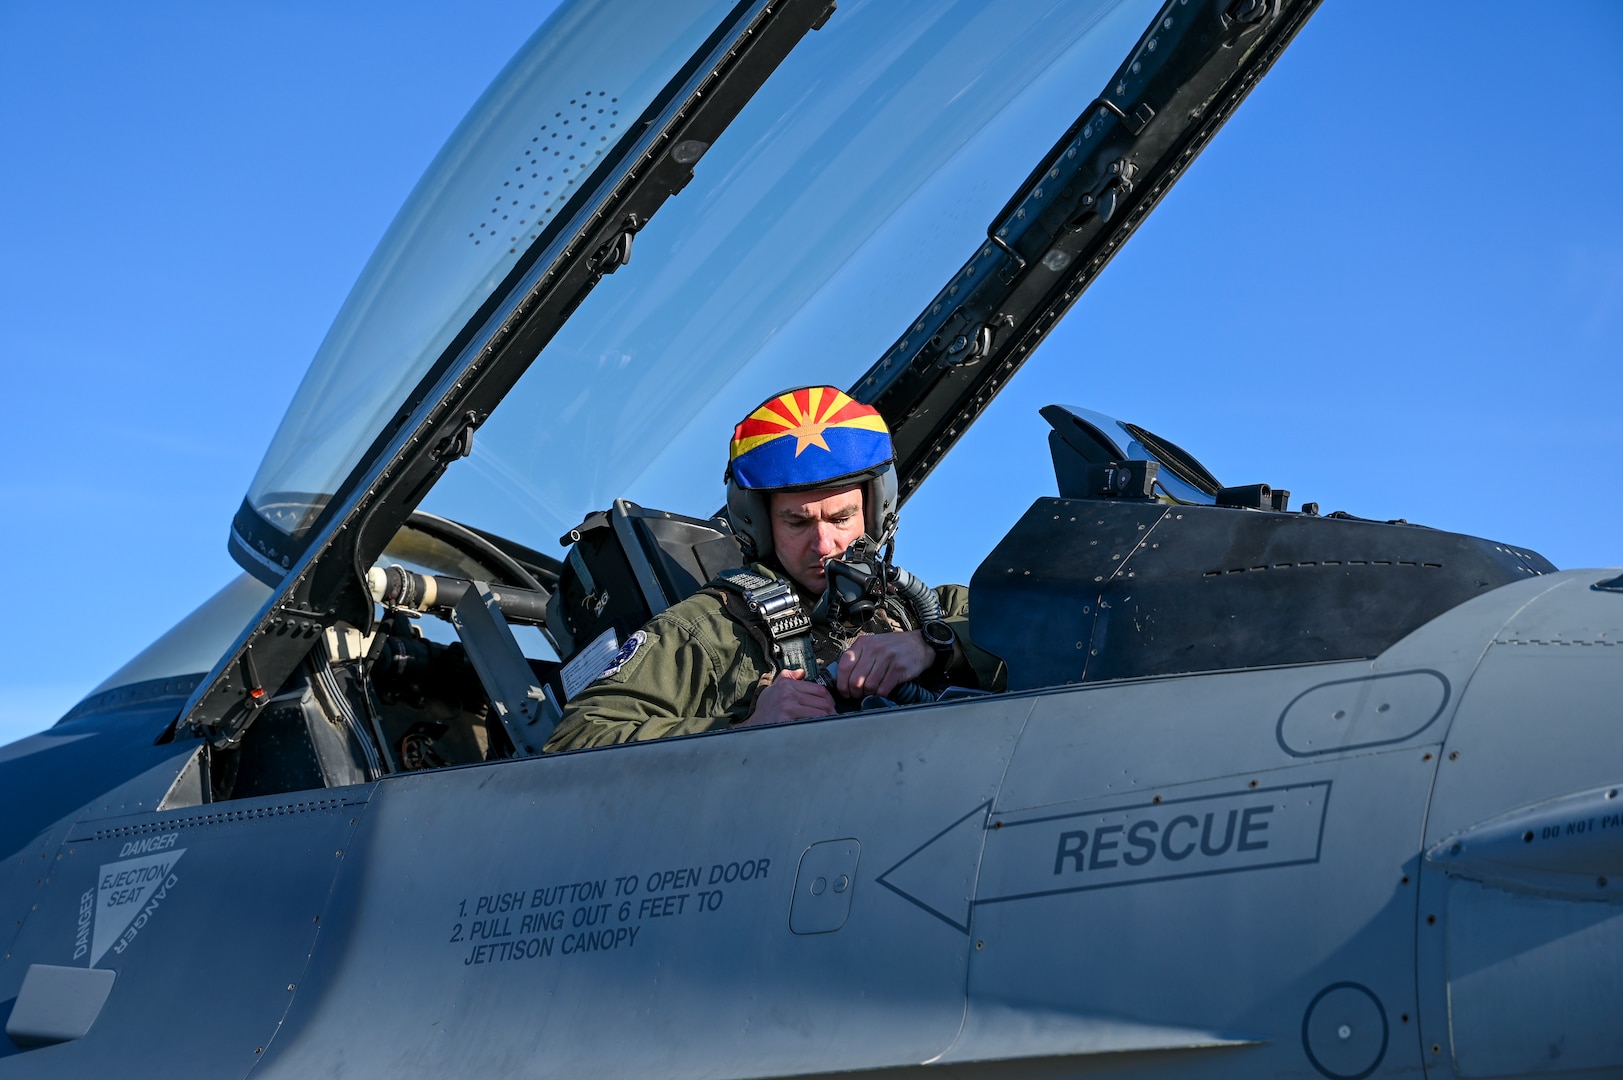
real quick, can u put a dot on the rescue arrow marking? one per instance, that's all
(943, 882)
(974, 862)
(1139, 843)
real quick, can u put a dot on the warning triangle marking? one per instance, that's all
(123, 888)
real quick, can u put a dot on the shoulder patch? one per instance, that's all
(627, 651)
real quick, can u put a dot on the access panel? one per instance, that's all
(197, 923)
(1521, 939)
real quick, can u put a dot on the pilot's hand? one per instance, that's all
(879, 663)
(790, 697)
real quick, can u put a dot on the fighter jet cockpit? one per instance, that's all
(506, 455)
(808, 198)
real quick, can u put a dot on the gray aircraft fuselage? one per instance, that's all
(1227, 874)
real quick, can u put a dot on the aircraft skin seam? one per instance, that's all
(980, 859)
(1324, 562)
(1421, 998)
(315, 940)
(219, 818)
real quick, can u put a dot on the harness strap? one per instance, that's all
(771, 612)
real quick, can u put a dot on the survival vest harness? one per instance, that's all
(770, 610)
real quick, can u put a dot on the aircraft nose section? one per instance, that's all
(1571, 847)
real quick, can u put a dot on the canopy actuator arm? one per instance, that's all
(526, 712)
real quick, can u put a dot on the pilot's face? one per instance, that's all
(811, 527)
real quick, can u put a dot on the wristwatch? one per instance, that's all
(939, 636)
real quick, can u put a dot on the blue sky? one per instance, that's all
(1393, 284)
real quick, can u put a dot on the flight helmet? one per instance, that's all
(807, 439)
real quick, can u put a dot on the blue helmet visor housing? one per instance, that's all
(801, 440)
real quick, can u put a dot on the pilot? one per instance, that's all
(810, 473)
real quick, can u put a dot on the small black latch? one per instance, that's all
(1139, 119)
(460, 444)
(617, 252)
(1248, 11)
(1016, 264)
(1247, 497)
(1281, 500)
(966, 346)
(1106, 206)
(1121, 480)
(1106, 195)
(254, 694)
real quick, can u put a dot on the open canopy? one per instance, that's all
(840, 199)
(840, 179)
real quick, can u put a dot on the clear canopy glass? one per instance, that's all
(854, 184)
(834, 207)
(831, 211)
(517, 157)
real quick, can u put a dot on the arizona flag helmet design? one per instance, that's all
(807, 438)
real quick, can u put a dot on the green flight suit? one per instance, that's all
(697, 668)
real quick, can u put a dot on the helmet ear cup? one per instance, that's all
(879, 504)
(750, 515)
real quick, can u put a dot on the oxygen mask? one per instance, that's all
(863, 582)
(855, 586)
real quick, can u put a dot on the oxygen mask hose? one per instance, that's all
(862, 580)
(919, 596)
(908, 693)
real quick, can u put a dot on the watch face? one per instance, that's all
(939, 634)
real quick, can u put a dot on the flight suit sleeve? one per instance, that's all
(680, 678)
(988, 670)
